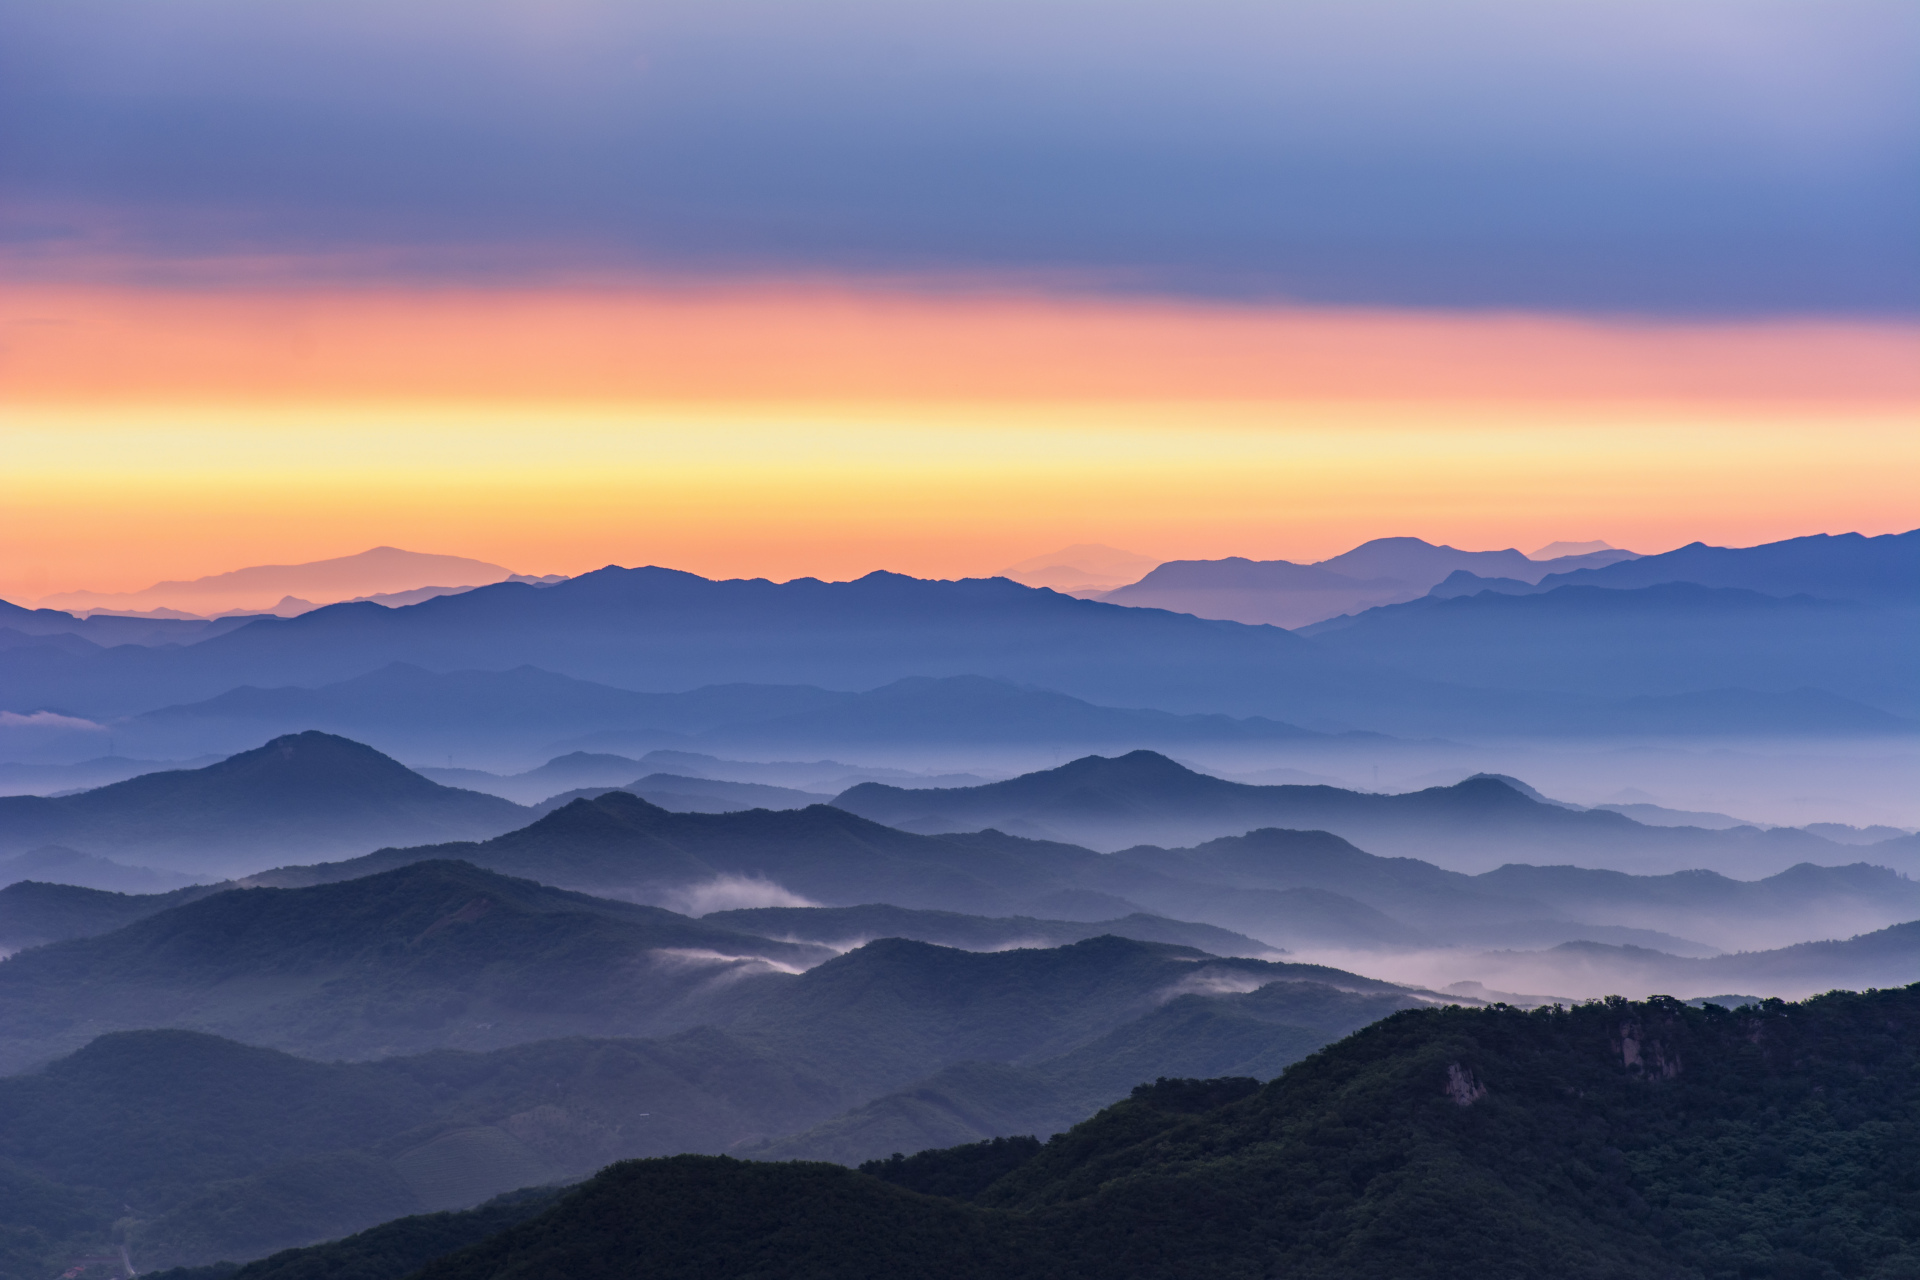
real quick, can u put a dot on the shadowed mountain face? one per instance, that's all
(431, 955)
(1667, 647)
(1144, 798)
(203, 1148)
(1610, 1140)
(855, 926)
(33, 913)
(307, 792)
(619, 843)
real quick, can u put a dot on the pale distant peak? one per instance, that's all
(1083, 566)
(1554, 550)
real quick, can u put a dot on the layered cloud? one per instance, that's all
(1720, 156)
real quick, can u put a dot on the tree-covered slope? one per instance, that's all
(1612, 1141)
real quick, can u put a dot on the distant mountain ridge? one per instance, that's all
(1145, 798)
(410, 711)
(1286, 887)
(429, 955)
(1675, 640)
(1280, 592)
(381, 570)
(304, 792)
(1881, 570)
(645, 628)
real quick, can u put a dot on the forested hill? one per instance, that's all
(1611, 1141)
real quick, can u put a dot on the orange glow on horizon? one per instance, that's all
(812, 430)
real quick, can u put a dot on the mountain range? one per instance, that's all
(1609, 1140)
(431, 955)
(383, 570)
(1282, 593)
(307, 793)
(1276, 863)
(1143, 797)
(203, 1148)
(1749, 662)
(411, 711)
(640, 628)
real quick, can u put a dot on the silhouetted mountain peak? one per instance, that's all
(1487, 791)
(609, 813)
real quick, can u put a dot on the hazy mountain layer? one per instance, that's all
(428, 956)
(1670, 644)
(1285, 594)
(59, 865)
(381, 570)
(648, 628)
(413, 711)
(1144, 798)
(1288, 888)
(1885, 957)
(308, 792)
(1880, 570)
(855, 926)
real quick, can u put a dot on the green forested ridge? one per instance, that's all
(1611, 1141)
(390, 1249)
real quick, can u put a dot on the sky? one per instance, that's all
(764, 287)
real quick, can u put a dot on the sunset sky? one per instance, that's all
(781, 289)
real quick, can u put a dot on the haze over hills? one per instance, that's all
(816, 780)
(844, 928)
(408, 710)
(1081, 568)
(431, 955)
(1144, 797)
(309, 792)
(1280, 592)
(1286, 888)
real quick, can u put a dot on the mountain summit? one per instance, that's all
(310, 793)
